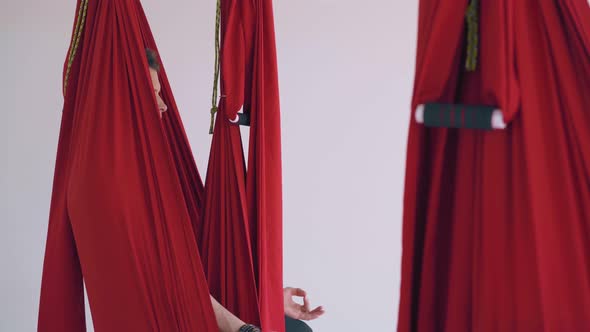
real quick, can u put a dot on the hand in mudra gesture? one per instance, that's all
(300, 311)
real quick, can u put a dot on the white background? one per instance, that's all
(346, 70)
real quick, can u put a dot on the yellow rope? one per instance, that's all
(75, 40)
(472, 35)
(216, 74)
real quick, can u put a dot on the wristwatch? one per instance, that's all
(249, 328)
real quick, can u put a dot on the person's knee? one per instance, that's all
(293, 325)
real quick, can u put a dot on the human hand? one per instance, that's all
(298, 311)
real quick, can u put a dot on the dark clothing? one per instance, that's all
(294, 325)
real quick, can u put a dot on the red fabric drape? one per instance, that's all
(126, 191)
(241, 234)
(497, 224)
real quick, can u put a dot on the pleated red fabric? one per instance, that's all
(496, 233)
(126, 192)
(241, 234)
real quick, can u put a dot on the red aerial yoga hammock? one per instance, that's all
(240, 238)
(126, 190)
(496, 230)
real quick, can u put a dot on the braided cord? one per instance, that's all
(75, 40)
(214, 108)
(472, 18)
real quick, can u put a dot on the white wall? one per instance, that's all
(346, 72)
